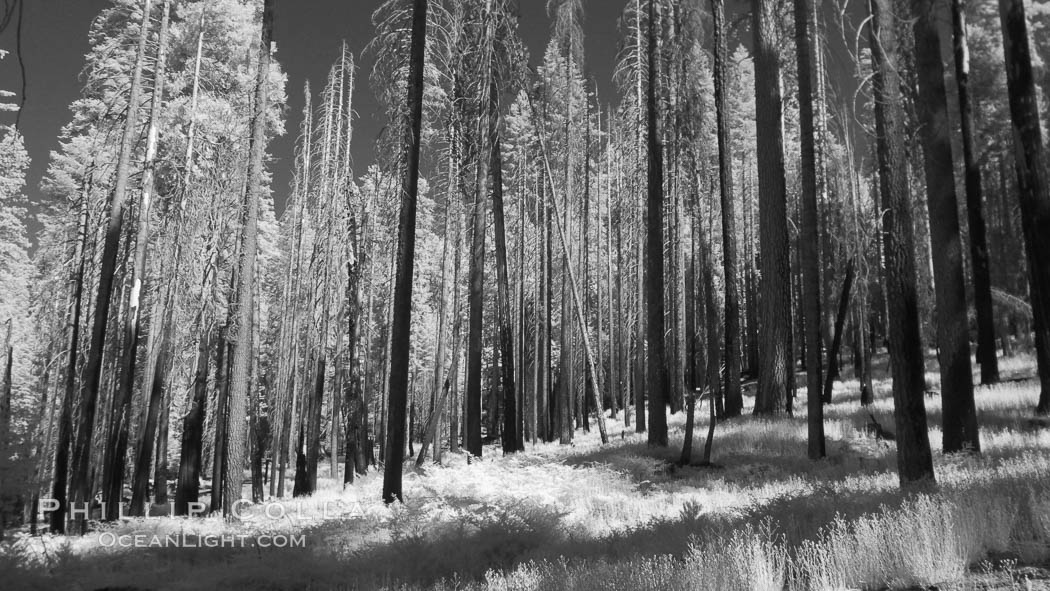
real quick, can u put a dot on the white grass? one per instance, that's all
(620, 517)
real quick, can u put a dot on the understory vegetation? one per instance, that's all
(626, 516)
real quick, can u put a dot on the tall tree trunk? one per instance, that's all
(953, 337)
(593, 367)
(243, 354)
(657, 383)
(506, 328)
(734, 401)
(914, 460)
(400, 334)
(1034, 188)
(80, 486)
(475, 304)
(140, 485)
(982, 282)
(116, 448)
(65, 421)
(775, 358)
(313, 427)
(430, 435)
(809, 234)
(639, 357)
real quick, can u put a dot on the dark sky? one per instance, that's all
(308, 34)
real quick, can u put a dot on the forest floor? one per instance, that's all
(624, 516)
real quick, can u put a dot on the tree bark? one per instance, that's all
(188, 488)
(809, 234)
(243, 353)
(400, 334)
(953, 338)
(914, 460)
(80, 486)
(836, 339)
(982, 282)
(506, 328)
(222, 405)
(734, 401)
(1034, 193)
(657, 382)
(775, 358)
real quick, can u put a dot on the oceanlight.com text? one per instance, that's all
(113, 540)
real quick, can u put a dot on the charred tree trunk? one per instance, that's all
(400, 335)
(506, 327)
(80, 486)
(117, 445)
(188, 488)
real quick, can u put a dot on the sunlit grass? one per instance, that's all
(625, 516)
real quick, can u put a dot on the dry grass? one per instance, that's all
(623, 517)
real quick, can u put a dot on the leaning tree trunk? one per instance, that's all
(1034, 193)
(953, 335)
(400, 332)
(836, 339)
(80, 487)
(809, 234)
(914, 460)
(982, 282)
(593, 367)
(775, 357)
(140, 482)
(239, 378)
(65, 421)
